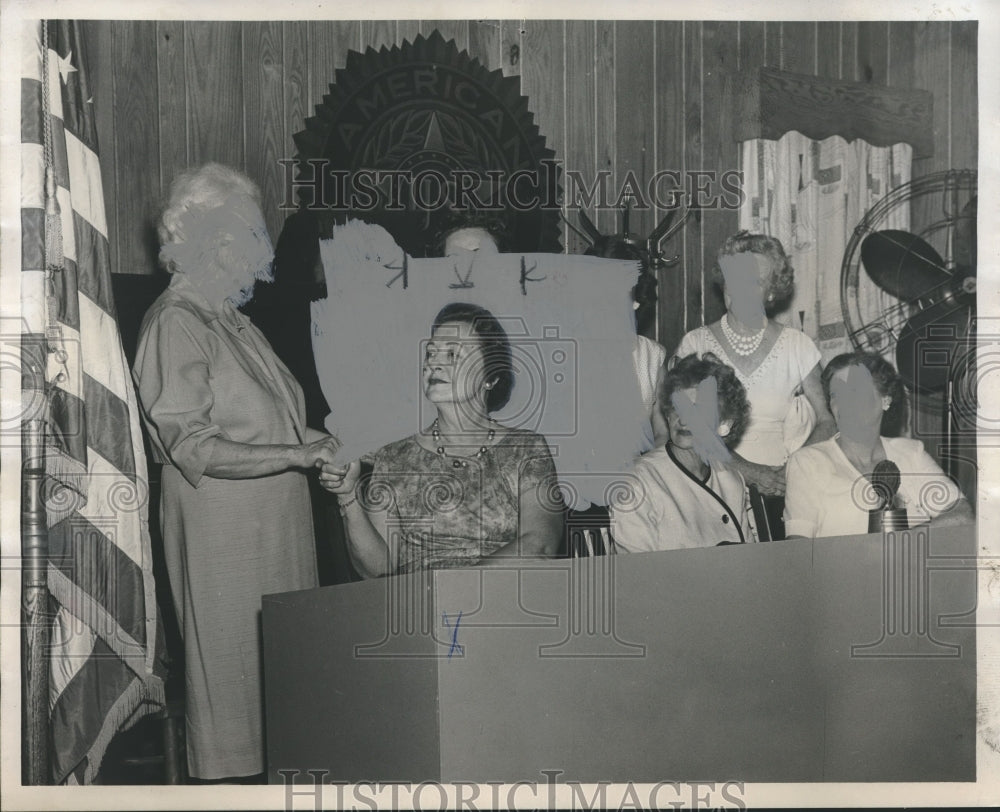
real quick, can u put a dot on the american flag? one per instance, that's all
(105, 653)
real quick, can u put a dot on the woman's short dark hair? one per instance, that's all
(492, 222)
(499, 364)
(886, 380)
(780, 282)
(690, 371)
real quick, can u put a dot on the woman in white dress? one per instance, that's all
(777, 365)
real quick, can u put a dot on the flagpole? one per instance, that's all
(35, 598)
(36, 621)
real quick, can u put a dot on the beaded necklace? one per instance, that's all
(743, 345)
(456, 460)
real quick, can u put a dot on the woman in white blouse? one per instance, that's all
(829, 484)
(685, 493)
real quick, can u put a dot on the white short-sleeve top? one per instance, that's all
(826, 494)
(770, 388)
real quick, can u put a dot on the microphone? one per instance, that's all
(885, 480)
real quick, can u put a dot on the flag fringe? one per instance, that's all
(140, 699)
(77, 602)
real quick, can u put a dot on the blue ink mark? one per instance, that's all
(455, 645)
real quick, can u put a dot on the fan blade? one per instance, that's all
(964, 246)
(902, 264)
(935, 346)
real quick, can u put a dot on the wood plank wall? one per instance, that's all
(619, 96)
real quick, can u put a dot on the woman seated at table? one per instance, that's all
(829, 484)
(686, 495)
(464, 490)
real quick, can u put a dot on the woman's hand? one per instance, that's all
(769, 479)
(317, 453)
(340, 479)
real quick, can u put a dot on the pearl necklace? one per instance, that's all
(458, 462)
(742, 345)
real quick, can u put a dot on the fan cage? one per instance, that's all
(955, 188)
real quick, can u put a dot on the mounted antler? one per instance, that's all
(650, 247)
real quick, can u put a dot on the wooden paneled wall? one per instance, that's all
(618, 96)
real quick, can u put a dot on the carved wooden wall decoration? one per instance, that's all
(771, 102)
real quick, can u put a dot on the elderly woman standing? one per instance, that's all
(227, 421)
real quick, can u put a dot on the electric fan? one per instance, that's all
(921, 309)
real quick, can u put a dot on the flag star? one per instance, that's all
(66, 66)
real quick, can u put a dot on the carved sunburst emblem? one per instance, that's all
(415, 115)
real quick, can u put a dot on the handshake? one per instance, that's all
(334, 477)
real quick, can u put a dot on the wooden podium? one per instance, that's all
(845, 659)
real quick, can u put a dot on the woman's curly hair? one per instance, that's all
(690, 371)
(886, 380)
(780, 282)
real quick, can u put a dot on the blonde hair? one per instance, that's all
(780, 283)
(202, 188)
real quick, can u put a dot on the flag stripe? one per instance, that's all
(112, 494)
(108, 369)
(33, 177)
(60, 159)
(109, 695)
(32, 239)
(97, 291)
(33, 302)
(106, 423)
(68, 426)
(70, 644)
(31, 111)
(108, 579)
(92, 248)
(78, 425)
(32, 127)
(84, 171)
(31, 50)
